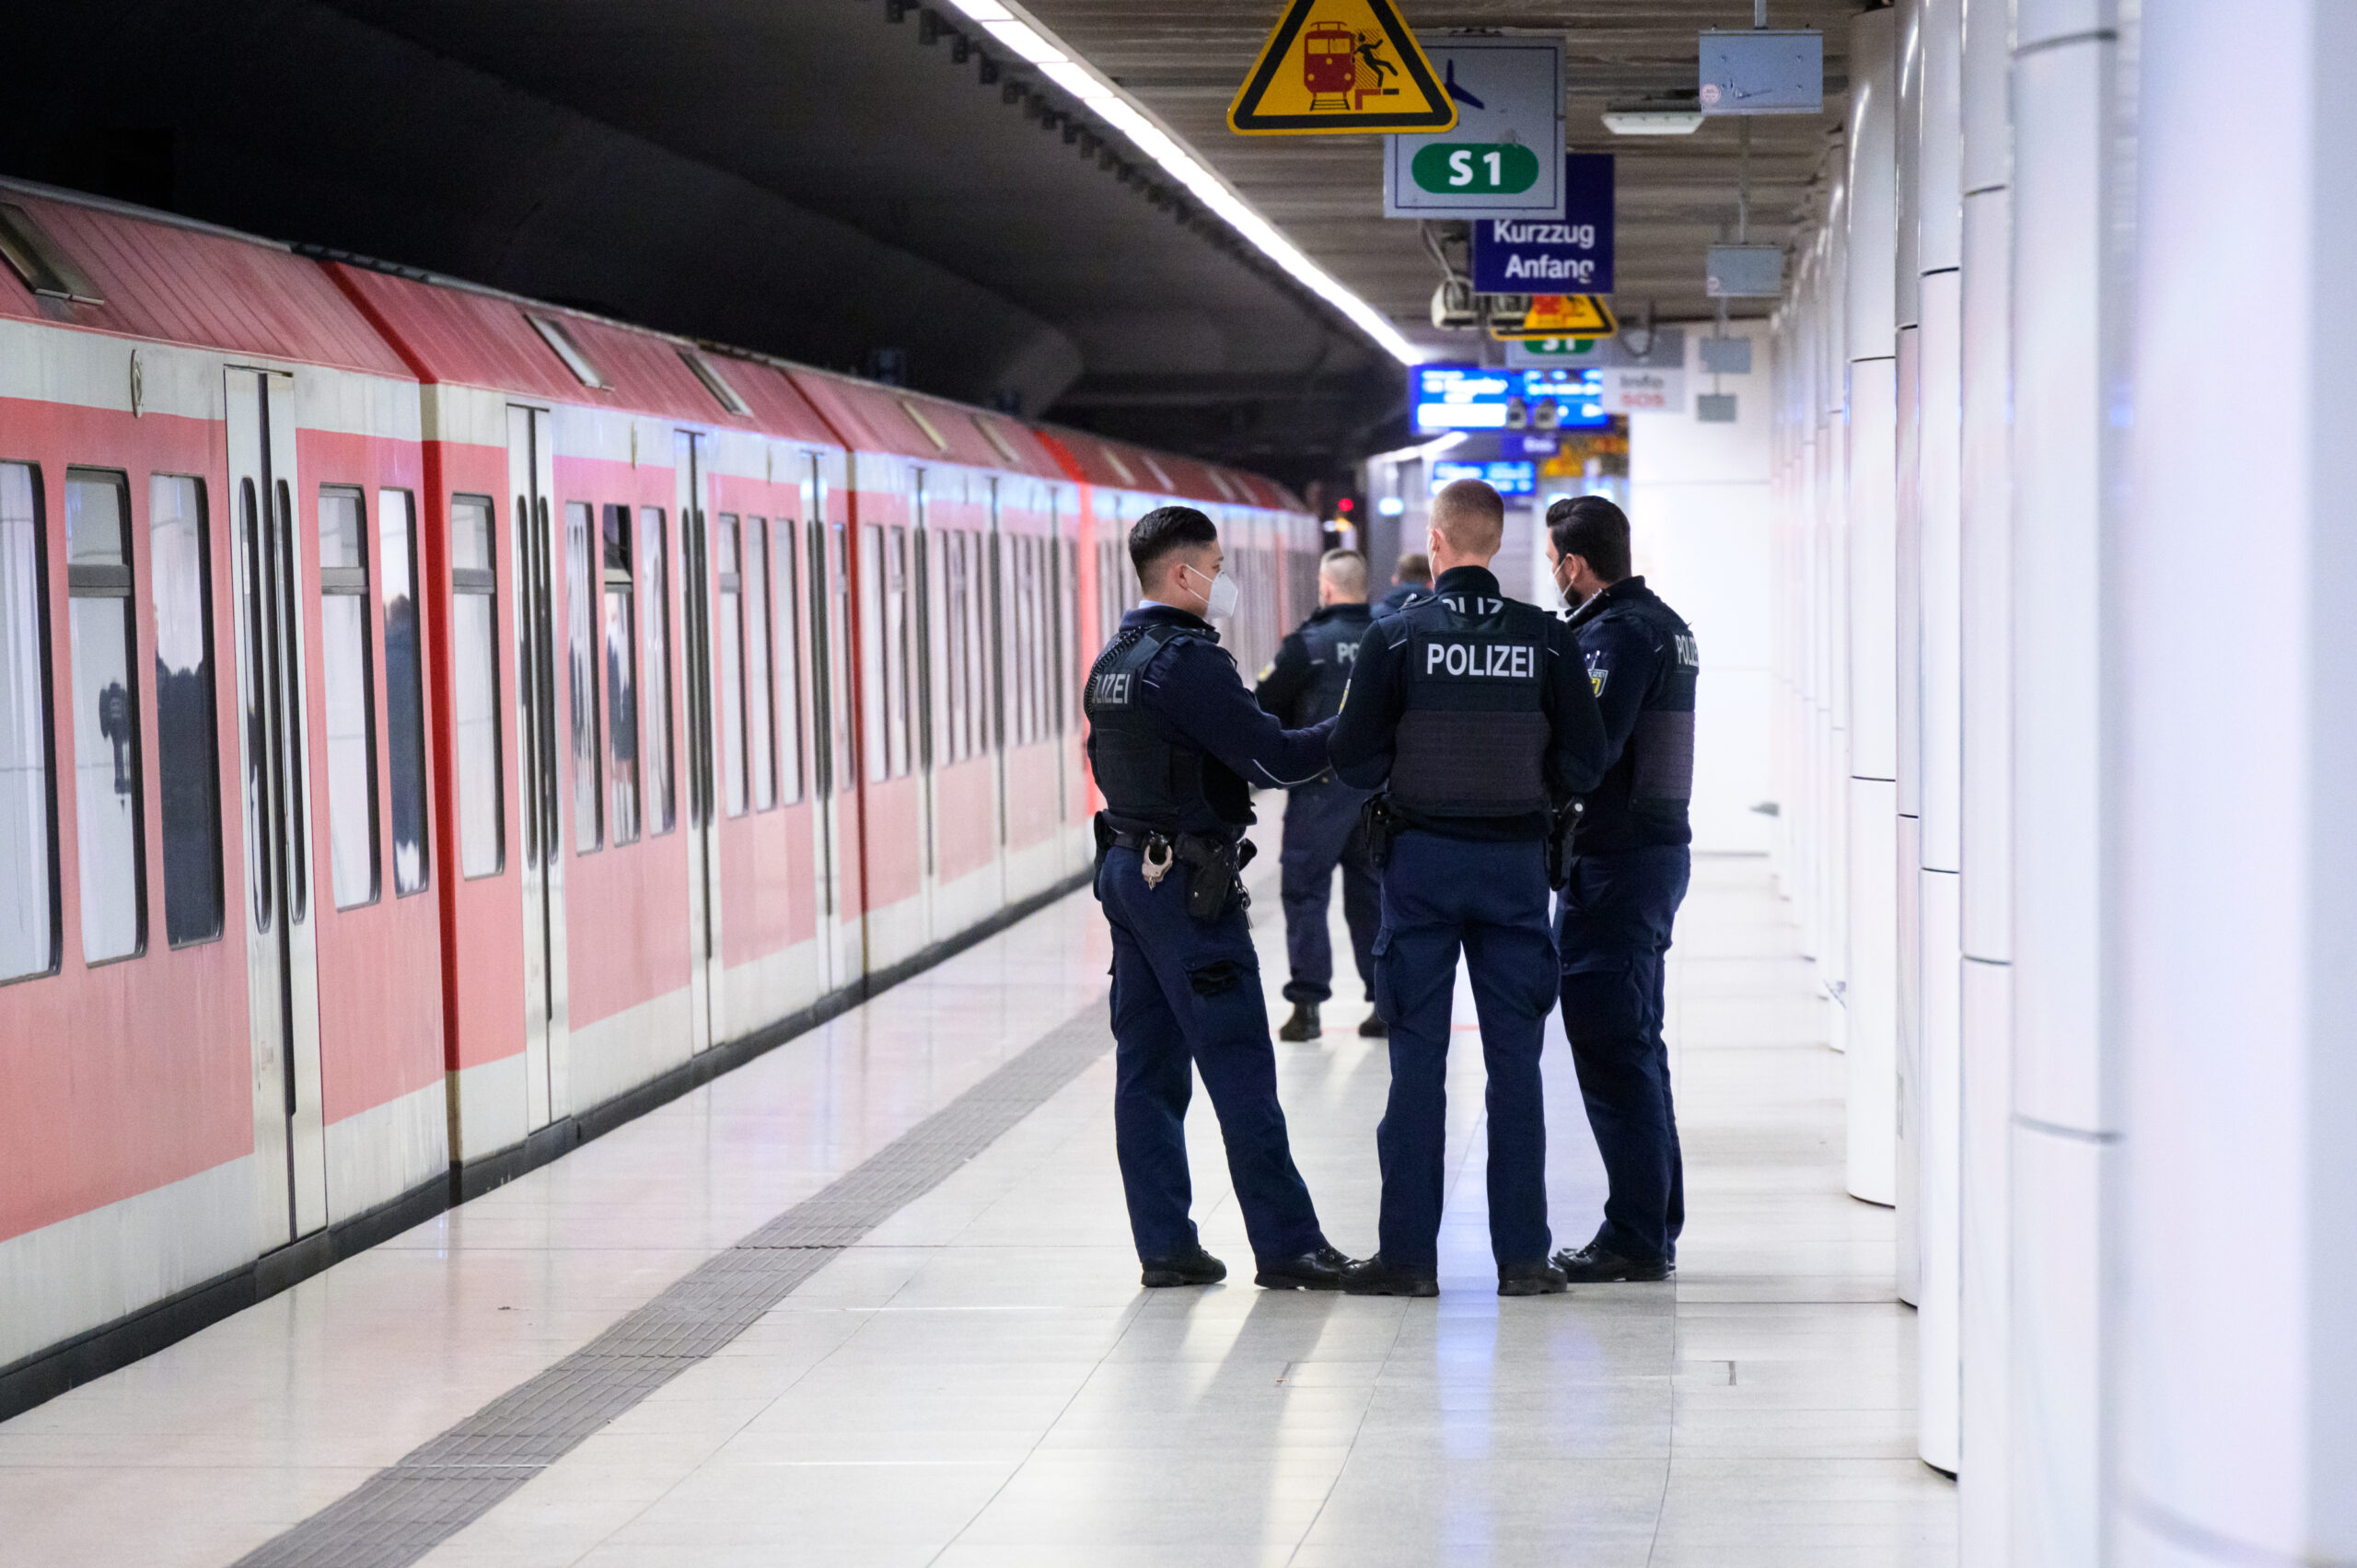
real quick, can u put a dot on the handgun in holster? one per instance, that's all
(1215, 872)
(1559, 834)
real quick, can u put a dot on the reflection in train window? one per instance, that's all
(581, 661)
(474, 636)
(106, 713)
(28, 841)
(655, 735)
(404, 687)
(621, 690)
(352, 719)
(789, 660)
(188, 765)
(758, 709)
(730, 638)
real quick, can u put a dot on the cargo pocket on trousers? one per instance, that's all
(1381, 954)
(1215, 979)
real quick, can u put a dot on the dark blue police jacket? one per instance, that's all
(1192, 693)
(1642, 662)
(1400, 597)
(1363, 743)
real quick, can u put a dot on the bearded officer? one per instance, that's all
(1303, 686)
(1175, 741)
(1625, 881)
(1473, 714)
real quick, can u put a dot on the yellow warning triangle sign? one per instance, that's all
(1340, 66)
(1563, 316)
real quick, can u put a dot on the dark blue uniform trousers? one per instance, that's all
(1187, 996)
(1321, 831)
(1490, 898)
(1612, 925)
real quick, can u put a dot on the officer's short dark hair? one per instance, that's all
(1164, 529)
(1346, 569)
(1415, 567)
(1470, 516)
(1592, 528)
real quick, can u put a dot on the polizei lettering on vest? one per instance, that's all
(1497, 661)
(1110, 690)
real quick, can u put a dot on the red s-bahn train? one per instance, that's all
(436, 726)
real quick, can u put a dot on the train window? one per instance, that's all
(956, 570)
(896, 646)
(1067, 583)
(731, 640)
(352, 740)
(826, 701)
(581, 661)
(106, 713)
(474, 636)
(620, 588)
(871, 649)
(188, 764)
(760, 704)
(404, 690)
(789, 661)
(654, 656)
(836, 576)
(29, 899)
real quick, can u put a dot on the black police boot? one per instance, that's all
(1598, 1264)
(1303, 1025)
(1375, 1028)
(1319, 1270)
(1376, 1277)
(1530, 1279)
(1196, 1268)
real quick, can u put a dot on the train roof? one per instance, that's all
(878, 418)
(122, 271)
(111, 268)
(459, 334)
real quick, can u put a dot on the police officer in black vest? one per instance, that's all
(1303, 686)
(1175, 740)
(1626, 879)
(1472, 712)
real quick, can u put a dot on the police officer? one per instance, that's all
(1472, 711)
(1410, 580)
(1626, 879)
(1175, 738)
(1303, 686)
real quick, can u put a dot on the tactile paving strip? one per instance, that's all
(445, 1484)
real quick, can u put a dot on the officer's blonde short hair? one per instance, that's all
(1471, 516)
(1346, 569)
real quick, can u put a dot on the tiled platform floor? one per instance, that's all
(980, 1382)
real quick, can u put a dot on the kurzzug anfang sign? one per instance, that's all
(1571, 254)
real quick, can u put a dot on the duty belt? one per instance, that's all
(1217, 864)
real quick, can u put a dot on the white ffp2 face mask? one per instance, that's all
(1220, 596)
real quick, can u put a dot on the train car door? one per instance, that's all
(917, 598)
(531, 481)
(996, 695)
(282, 946)
(704, 1002)
(833, 770)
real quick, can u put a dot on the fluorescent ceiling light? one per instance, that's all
(1018, 32)
(1652, 121)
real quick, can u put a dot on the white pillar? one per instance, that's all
(1871, 662)
(2066, 1124)
(1907, 891)
(2236, 877)
(1985, 555)
(1939, 255)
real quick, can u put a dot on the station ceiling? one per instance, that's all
(829, 178)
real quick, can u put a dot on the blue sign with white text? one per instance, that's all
(1505, 478)
(1571, 254)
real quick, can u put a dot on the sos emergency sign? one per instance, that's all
(1571, 254)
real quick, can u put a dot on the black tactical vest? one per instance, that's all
(1333, 644)
(1473, 730)
(1147, 780)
